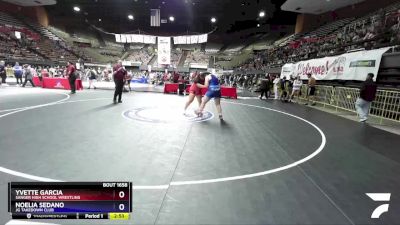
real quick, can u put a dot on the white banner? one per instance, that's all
(118, 38)
(129, 38)
(349, 66)
(203, 38)
(137, 38)
(194, 39)
(123, 38)
(164, 50)
(147, 39)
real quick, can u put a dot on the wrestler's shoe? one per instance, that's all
(198, 113)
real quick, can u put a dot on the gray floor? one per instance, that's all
(86, 138)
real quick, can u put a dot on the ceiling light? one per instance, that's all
(130, 17)
(171, 18)
(258, 25)
(261, 14)
(99, 20)
(77, 9)
(213, 20)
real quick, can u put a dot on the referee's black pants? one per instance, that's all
(71, 80)
(119, 86)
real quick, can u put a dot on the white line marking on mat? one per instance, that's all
(179, 183)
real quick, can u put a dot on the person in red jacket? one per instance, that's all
(119, 80)
(71, 76)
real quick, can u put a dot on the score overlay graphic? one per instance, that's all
(70, 200)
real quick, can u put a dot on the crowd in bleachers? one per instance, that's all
(175, 56)
(379, 29)
(31, 46)
(197, 57)
(142, 55)
(12, 48)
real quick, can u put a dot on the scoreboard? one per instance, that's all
(70, 200)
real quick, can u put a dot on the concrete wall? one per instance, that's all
(36, 13)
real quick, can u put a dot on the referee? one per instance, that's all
(119, 80)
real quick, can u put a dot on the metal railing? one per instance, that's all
(386, 105)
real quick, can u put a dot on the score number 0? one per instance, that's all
(121, 194)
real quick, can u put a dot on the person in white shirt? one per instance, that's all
(276, 82)
(296, 88)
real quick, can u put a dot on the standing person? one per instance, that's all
(367, 95)
(71, 76)
(118, 77)
(296, 88)
(311, 89)
(128, 79)
(28, 75)
(276, 83)
(18, 71)
(283, 89)
(195, 91)
(214, 91)
(289, 89)
(3, 74)
(264, 85)
(231, 80)
(92, 78)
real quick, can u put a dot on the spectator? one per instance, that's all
(311, 89)
(283, 88)
(296, 88)
(28, 75)
(367, 95)
(276, 82)
(3, 74)
(264, 87)
(18, 71)
(92, 78)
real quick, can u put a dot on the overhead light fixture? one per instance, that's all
(99, 20)
(213, 20)
(77, 9)
(261, 14)
(130, 17)
(258, 25)
(171, 18)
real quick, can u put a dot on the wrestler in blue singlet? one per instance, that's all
(214, 89)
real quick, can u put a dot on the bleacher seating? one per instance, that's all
(10, 46)
(196, 57)
(374, 30)
(212, 48)
(142, 55)
(48, 45)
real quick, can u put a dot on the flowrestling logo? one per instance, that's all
(379, 197)
(165, 115)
